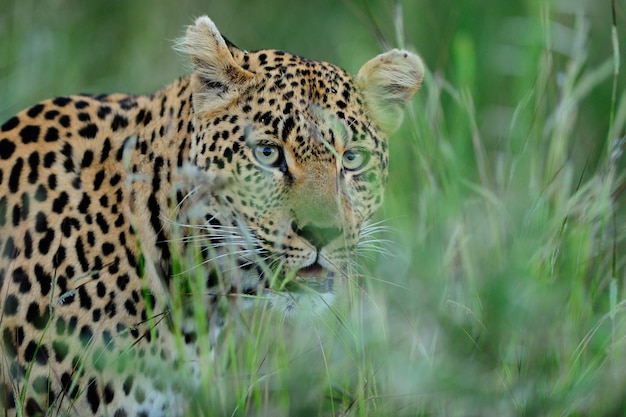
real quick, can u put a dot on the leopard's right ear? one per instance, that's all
(218, 78)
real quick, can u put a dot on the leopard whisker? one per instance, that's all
(241, 253)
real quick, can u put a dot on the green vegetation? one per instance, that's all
(499, 289)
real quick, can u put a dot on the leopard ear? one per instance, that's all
(387, 82)
(218, 78)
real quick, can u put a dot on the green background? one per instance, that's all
(501, 290)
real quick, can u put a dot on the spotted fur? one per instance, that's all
(258, 171)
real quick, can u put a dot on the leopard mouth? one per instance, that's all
(313, 277)
(312, 272)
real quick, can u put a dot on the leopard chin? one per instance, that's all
(302, 303)
(310, 292)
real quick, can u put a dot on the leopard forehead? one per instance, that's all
(300, 81)
(291, 89)
(314, 92)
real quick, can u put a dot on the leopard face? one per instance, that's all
(299, 148)
(257, 173)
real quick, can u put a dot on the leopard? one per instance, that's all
(253, 176)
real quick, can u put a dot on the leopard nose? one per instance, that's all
(317, 236)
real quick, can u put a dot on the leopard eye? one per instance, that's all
(354, 159)
(268, 155)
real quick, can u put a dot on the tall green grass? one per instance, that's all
(506, 294)
(500, 289)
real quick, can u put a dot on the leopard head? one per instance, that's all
(288, 162)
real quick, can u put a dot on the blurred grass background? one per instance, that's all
(505, 203)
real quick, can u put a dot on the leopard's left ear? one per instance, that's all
(387, 82)
(218, 77)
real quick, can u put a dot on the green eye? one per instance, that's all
(354, 159)
(267, 154)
